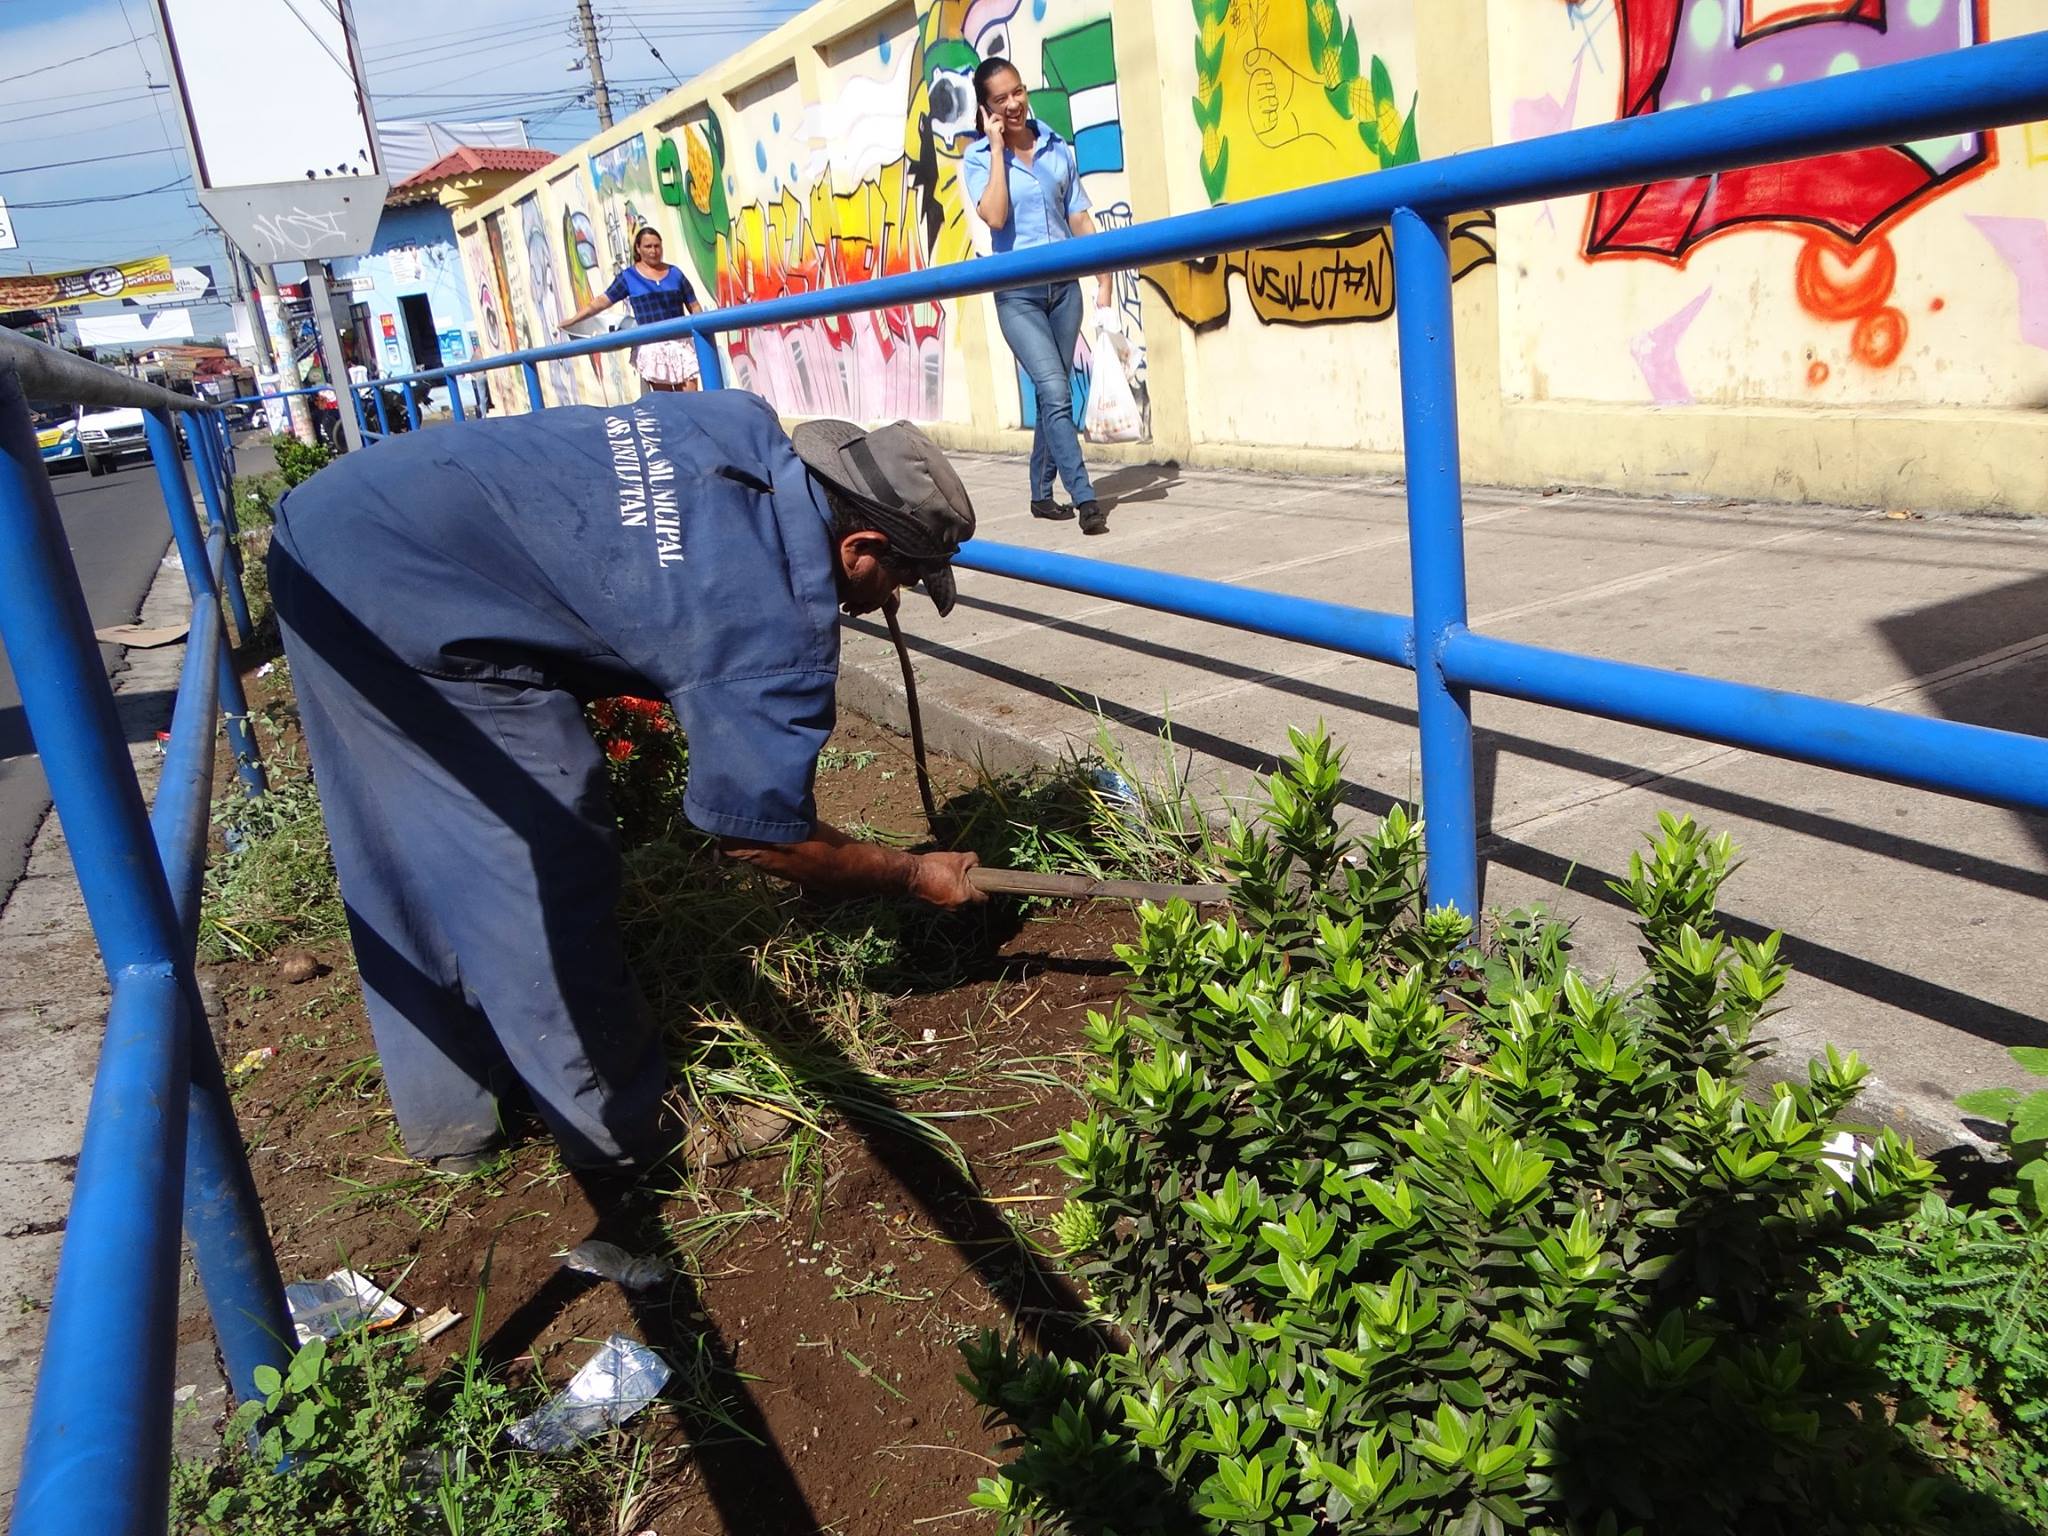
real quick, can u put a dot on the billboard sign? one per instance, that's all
(88, 285)
(189, 285)
(134, 330)
(278, 120)
(7, 240)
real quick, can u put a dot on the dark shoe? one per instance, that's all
(459, 1164)
(1093, 518)
(1050, 510)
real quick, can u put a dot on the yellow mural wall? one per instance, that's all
(1871, 329)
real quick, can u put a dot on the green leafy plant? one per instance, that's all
(256, 498)
(296, 461)
(1959, 1300)
(351, 1438)
(1395, 1233)
(2023, 1116)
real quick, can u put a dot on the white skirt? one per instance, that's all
(667, 362)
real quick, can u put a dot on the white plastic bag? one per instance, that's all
(1112, 409)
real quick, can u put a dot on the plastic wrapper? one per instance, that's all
(608, 1261)
(615, 1383)
(326, 1309)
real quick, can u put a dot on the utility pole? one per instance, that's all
(320, 289)
(270, 318)
(599, 90)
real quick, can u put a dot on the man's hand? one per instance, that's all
(940, 879)
(831, 863)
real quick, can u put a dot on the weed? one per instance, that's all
(256, 499)
(1959, 1301)
(2022, 1119)
(375, 1450)
(832, 760)
(1104, 814)
(274, 882)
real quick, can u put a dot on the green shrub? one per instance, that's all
(1396, 1236)
(297, 461)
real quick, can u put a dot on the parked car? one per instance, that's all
(57, 434)
(108, 437)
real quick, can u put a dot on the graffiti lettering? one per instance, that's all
(296, 235)
(1307, 286)
(1325, 283)
(1285, 97)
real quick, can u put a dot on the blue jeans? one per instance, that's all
(1041, 323)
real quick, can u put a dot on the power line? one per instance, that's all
(65, 165)
(464, 53)
(440, 40)
(664, 63)
(44, 69)
(116, 197)
(298, 16)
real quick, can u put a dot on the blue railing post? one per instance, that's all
(412, 407)
(1436, 551)
(220, 509)
(355, 405)
(709, 363)
(383, 416)
(455, 406)
(99, 1438)
(534, 401)
(199, 578)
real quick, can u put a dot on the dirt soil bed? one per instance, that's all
(831, 1279)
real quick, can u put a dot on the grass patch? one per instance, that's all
(1112, 813)
(272, 883)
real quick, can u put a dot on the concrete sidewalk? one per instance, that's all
(1915, 921)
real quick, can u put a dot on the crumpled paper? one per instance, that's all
(623, 1377)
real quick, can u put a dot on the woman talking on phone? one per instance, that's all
(657, 291)
(1036, 200)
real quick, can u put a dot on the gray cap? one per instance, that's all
(904, 483)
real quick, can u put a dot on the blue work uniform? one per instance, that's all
(449, 600)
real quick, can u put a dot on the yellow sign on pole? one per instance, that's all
(85, 285)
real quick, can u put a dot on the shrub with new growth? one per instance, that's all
(1396, 1235)
(297, 461)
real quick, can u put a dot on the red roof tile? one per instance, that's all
(466, 161)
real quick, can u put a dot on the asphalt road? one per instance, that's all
(118, 535)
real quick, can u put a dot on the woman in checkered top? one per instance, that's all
(657, 291)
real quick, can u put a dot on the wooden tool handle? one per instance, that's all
(1020, 882)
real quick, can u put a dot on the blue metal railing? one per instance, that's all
(98, 1445)
(160, 1136)
(1989, 86)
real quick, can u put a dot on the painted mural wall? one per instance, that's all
(829, 154)
(1915, 274)
(1265, 96)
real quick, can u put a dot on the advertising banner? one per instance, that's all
(83, 285)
